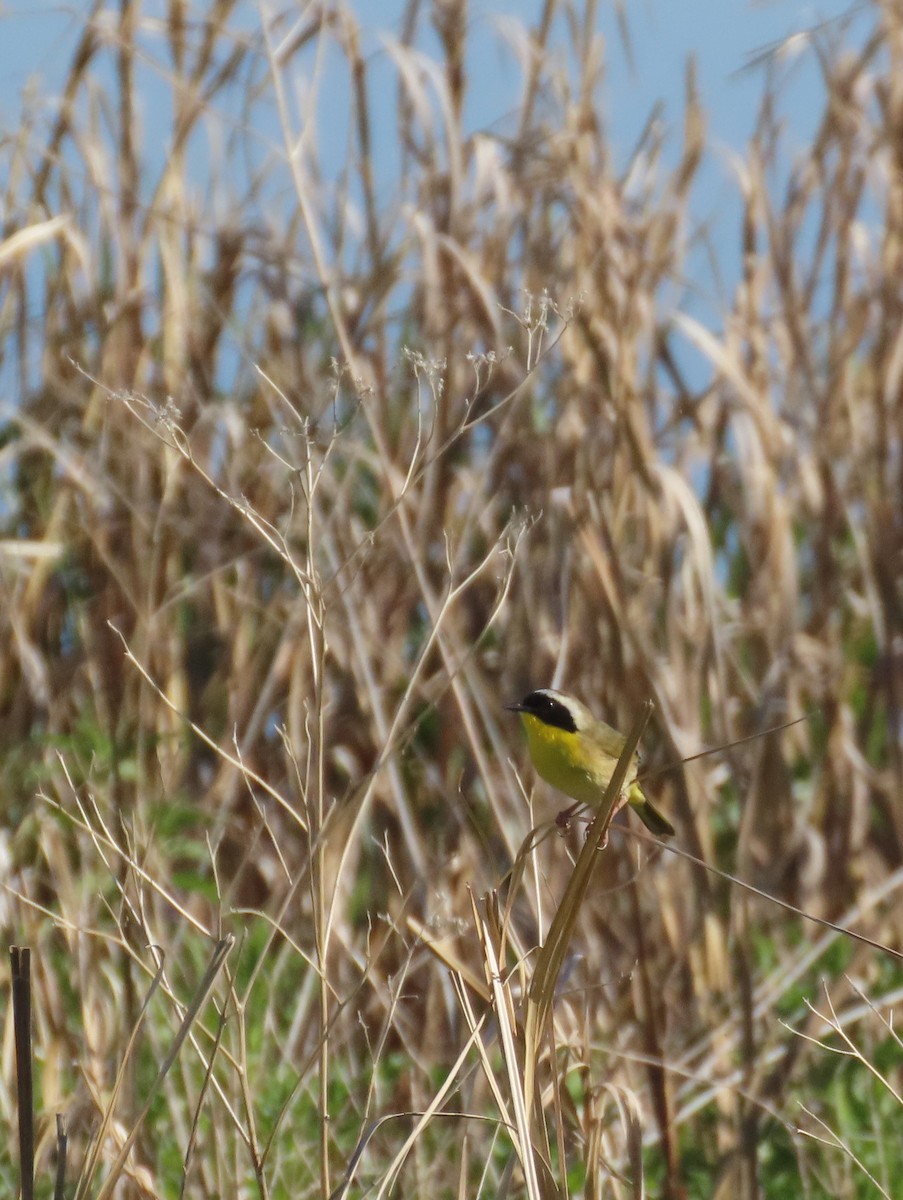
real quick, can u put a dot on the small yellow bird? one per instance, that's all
(577, 754)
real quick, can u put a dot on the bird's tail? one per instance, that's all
(654, 821)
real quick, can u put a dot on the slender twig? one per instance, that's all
(20, 964)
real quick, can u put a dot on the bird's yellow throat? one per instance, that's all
(560, 757)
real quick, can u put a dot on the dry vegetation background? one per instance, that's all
(303, 479)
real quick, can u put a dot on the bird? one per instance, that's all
(577, 753)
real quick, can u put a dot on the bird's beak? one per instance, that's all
(517, 707)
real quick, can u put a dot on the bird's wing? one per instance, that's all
(609, 739)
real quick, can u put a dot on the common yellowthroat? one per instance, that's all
(577, 754)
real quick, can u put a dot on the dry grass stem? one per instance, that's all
(332, 427)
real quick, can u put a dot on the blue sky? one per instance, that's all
(723, 35)
(727, 38)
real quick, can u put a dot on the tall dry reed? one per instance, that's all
(306, 475)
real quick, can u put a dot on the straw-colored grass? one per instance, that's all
(306, 473)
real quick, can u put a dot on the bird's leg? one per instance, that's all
(564, 818)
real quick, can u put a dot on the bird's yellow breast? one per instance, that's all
(568, 761)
